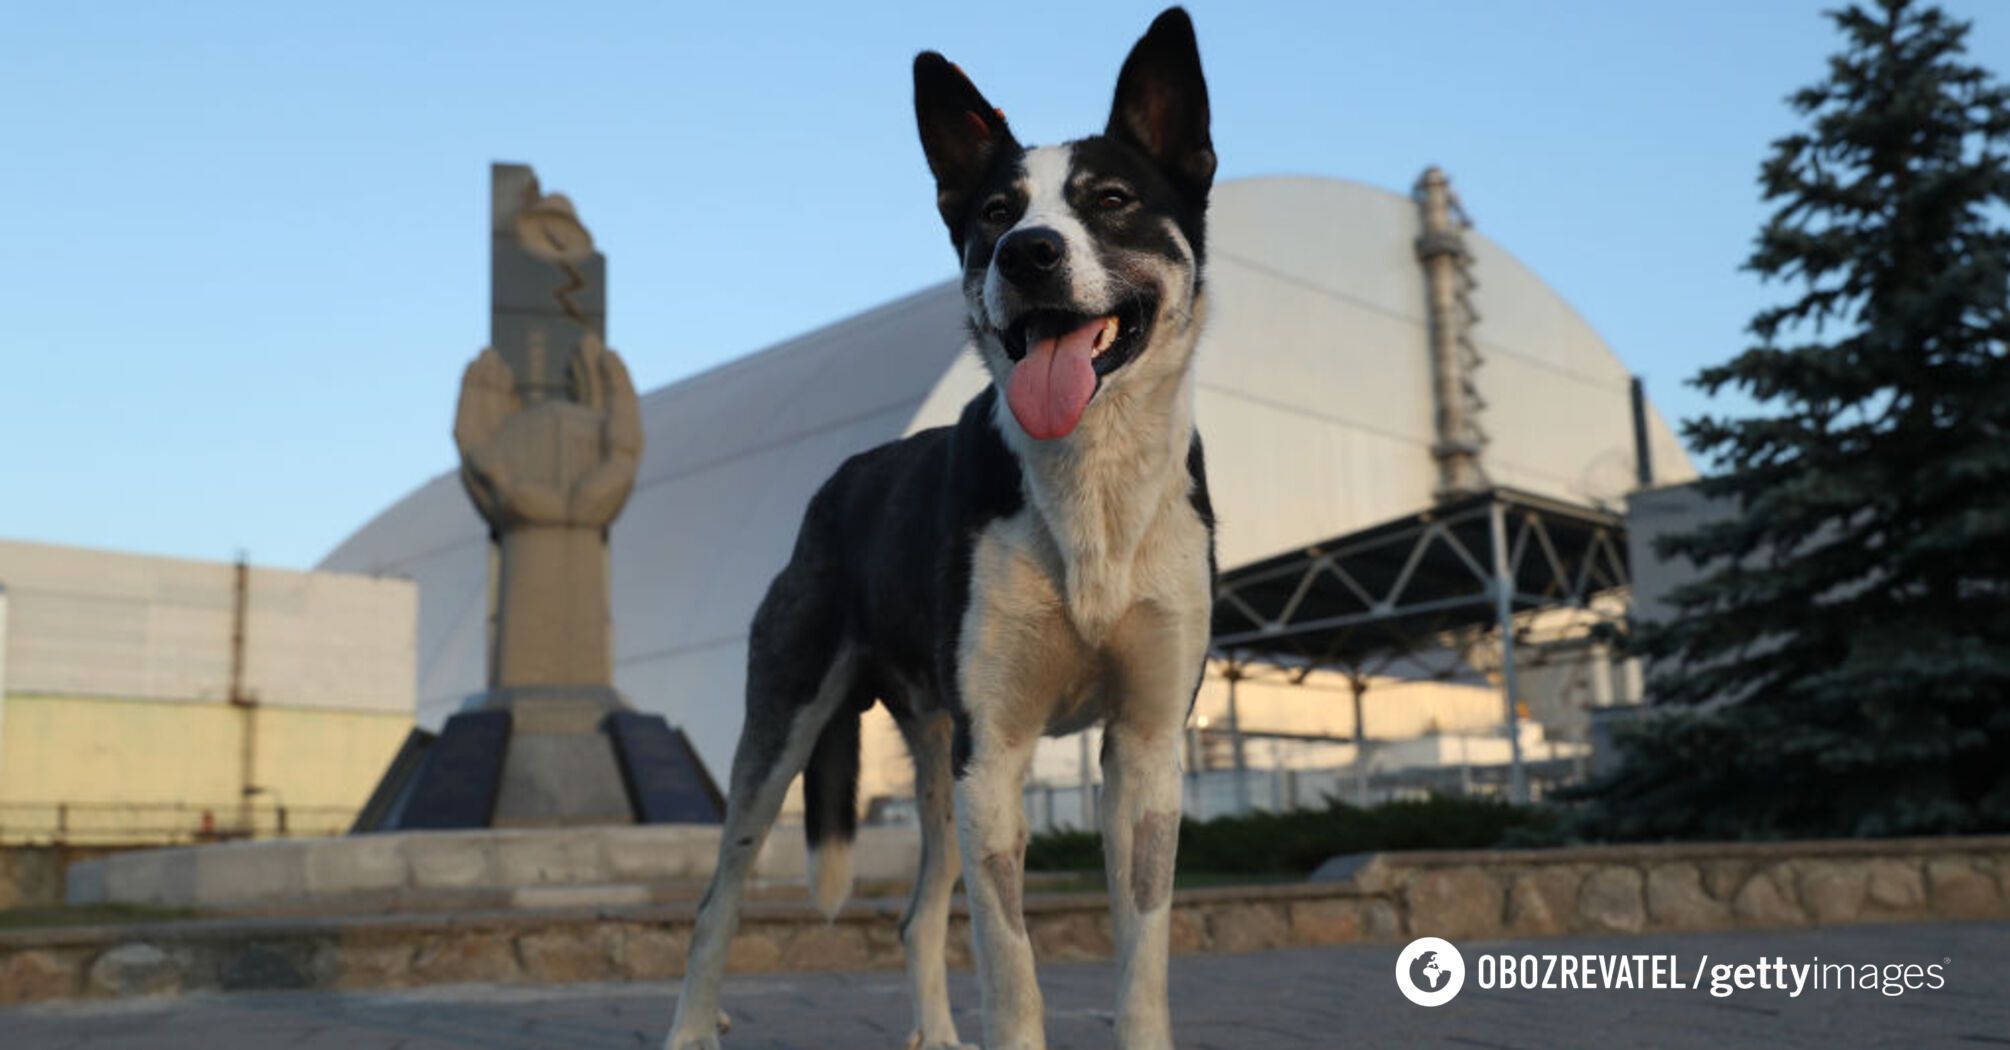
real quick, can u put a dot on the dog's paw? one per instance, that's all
(914, 1043)
(699, 1040)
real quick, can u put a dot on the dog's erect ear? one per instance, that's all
(1161, 104)
(960, 132)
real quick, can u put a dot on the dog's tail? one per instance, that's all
(830, 809)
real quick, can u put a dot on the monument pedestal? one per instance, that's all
(560, 769)
(545, 757)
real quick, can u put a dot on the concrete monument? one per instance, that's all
(550, 434)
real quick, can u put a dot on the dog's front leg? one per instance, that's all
(1157, 662)
(991, 819)
(1016, 655)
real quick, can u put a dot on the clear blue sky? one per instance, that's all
(245, 253)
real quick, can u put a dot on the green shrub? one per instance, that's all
(1295, 843)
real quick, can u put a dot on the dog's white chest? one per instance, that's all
(1110, 561)
(1087, 568)
(1046, 619)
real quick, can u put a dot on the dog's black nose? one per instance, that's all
(1029, 257)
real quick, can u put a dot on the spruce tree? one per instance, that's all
(1841, 663)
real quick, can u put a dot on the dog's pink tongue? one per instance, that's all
(1052, 384)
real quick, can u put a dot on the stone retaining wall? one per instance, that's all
(1383, 897)
(1704, 886)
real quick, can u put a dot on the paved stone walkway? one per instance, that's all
(1282, 1000)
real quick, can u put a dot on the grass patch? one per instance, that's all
(1287, 846)
(88, 915)
(1092, 880)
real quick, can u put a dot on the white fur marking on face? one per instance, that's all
(1046, 186)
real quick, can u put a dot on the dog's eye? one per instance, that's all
(998, 212)
(1111, 198)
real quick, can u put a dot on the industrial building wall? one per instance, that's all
(1650, 515)
(95, 769)
(117, 705)
(102, 623)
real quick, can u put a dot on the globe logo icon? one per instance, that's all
(1427, 973)
(1430, 971)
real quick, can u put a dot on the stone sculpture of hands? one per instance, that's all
(554, 462)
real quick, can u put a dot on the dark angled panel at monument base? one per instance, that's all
(667, 782)
(463, 771)
(394, 790)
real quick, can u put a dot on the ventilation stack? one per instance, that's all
(1449, 284)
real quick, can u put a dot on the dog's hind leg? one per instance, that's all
(924, 930)
(799, 670)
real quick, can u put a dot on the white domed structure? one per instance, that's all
(1315, 402)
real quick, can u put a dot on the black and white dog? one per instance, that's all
(1043, 565)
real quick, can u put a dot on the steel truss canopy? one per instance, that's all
(1466, 565)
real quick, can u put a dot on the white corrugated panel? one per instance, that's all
(100, 623)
